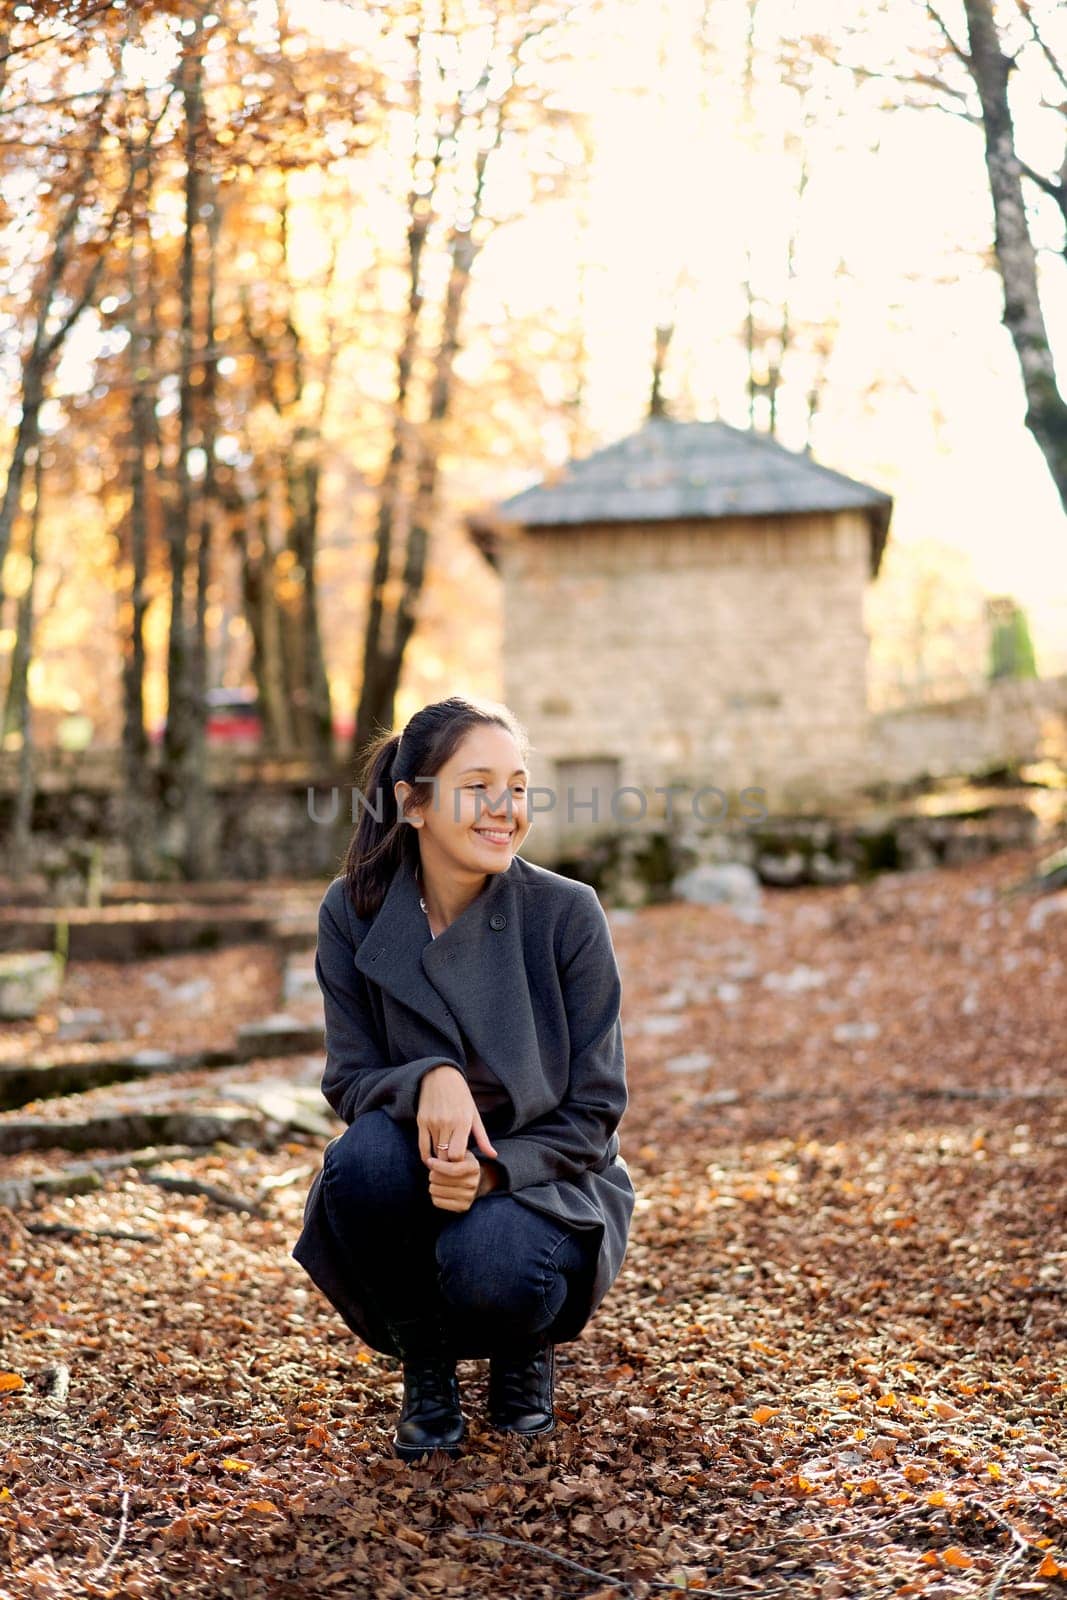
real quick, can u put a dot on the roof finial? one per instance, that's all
(657, 406)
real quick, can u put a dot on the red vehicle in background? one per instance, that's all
(233, 720)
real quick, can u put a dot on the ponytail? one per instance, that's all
(376, 848)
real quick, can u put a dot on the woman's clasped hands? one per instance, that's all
(446, 1118)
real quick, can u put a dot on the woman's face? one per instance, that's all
(477, 819)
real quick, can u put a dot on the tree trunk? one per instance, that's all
(1046, 410)
(200, 794)
(378, 687)
(248, 498)
(302, 482)
(44, 346)
(22, 651)
(18, 703)
(183, 774)
(291, 670)
(383, 664)
(137, 789)
(428, 467)
(303, 472)
(32, 398)
(268, 631)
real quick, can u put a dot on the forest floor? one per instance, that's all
(833, 1364)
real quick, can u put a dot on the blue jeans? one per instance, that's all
(497, 1274)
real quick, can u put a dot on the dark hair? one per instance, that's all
(428, 740)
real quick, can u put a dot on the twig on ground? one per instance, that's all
(1021, 1542)
(863, 1531)
(210, 1191)
(65, 1452)
(113, 1552)
(69, 1229)
(589, 1572)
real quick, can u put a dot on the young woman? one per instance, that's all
(477, 1204)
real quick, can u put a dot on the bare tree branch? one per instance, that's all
(1050, 55)
(67, 99)
(956, 49)
(34, 44)
(93, 277)
(923, 80)
(1058, 191)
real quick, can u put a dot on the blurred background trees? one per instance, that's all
(291, 284)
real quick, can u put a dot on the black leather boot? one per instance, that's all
(430, 1416)
(521, 1387)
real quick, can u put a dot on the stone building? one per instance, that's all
(686, 607)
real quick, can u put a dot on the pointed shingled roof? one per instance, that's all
(674, 471)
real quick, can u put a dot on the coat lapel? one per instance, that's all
(476, 966)
(389, 953)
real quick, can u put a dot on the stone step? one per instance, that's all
(132, 1129)
(278, 1035)
(297, 1106)
(268, 1037)
(234, 1111)
(131, 932)
(22, 1082)
(15, 1192)
(219, 892)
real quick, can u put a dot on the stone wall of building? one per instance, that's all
(730, 654)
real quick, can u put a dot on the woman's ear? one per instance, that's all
(402, 791)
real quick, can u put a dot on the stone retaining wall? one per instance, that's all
(262, 829)
(1013, 720)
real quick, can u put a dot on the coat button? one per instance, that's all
(498, 921)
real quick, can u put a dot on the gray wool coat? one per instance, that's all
(528, 972)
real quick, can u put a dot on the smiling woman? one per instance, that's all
(477, 1204)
